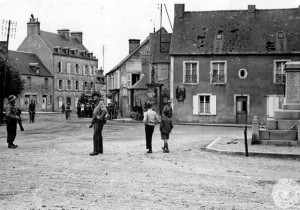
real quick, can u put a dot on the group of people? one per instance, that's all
(151, 118)
(85, 109)
(99, 116)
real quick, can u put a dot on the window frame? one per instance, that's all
(211, 71)
(191, 73)
(212, 104)
(282, 70)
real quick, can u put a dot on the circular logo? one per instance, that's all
(286, 193)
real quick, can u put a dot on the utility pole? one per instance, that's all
(11, 27)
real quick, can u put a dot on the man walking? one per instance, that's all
(31, 110)
(11, 121)
(151, 118)
(98, 121)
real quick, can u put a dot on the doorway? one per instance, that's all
(44, 102)
(241, 106)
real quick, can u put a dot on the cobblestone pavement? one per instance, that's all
(51, 169)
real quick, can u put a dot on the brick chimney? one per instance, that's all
(179, 10)
(33, 26)
(133, 44)
(77, 35)
(251, 10)
(65, 33)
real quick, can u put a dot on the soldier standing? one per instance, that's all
(11, 121)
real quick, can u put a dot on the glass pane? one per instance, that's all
(187, 66)
(194, 66)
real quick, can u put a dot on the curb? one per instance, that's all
(210, 148)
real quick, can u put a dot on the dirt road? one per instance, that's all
(51, 169)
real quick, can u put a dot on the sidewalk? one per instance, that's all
(237, 147)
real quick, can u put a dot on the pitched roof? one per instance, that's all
(53, 40)
(21, 62)
(153, 45)
(242, 31)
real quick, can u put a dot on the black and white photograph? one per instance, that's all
(148, 104)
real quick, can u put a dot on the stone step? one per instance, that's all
(289, 135)
(287, 114)
(277, 142)
(291, 106)
(273, 124)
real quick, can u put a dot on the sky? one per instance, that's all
(107, 25)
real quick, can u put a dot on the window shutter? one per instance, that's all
(195, 105)
(57, 85)
(128, 80)
(213, 104)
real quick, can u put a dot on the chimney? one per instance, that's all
(65, 33)
(179, 10)
(251, 10)
(33, 26)
(133, 44)
(77, 35)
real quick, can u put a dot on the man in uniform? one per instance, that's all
(11, 121)
(98, 121)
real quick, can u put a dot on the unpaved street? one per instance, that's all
(51, 169)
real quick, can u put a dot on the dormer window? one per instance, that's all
(35, 67)
(280, 34)
(57, 49)
(65, 50)
(72, 52)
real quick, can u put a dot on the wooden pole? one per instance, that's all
(246, 144)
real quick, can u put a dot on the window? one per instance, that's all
(60, 84)
(69, 101)
(76, 69)
(243, 73)
(219, 36)
(60, 67)
(76, 85)
(204, 104)
(46, 82)
(132, 79)
(68, 68)
(92, 85)
(279, 75)
(85, 85)
(218, 72)
(68, 85)
(190, 71)
(90, 71)
(280, 35)
(84, 68)
(60, 101)
(29, 82)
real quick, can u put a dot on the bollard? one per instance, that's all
(246, 144)
(255, 129)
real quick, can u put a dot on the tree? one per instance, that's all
(13, 84)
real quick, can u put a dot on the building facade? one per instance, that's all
(37, 80)
(227, 66)
(143, 75)
(73, 67)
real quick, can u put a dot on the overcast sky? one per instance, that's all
(110, 23)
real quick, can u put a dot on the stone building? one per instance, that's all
(143, 75)
(73, 67)
(227, 66)
(37, 80)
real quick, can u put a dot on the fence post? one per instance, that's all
(246, 143)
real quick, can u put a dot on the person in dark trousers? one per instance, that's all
(168, 109)
(166, 127)
(31, 110)
(98, 121)
(11, 121)
(63, 107)
(68, 112)
(151, 118)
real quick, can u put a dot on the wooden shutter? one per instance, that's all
(213, 104)
(195, 105)
(128, 80)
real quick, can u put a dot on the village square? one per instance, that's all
(201, 113)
